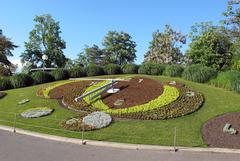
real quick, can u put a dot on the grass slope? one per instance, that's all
(160, 132)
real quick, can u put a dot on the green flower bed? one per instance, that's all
(169, 95)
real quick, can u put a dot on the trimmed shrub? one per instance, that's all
(229, 80)
(93, 70)
(112, 69)
(130, 69)
(21, 80)
(5, 83)
(199, 73)
(173, 71)
(60, 74)
(42, 77)
(151, 69)
(77, 72)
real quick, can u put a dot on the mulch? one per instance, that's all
(59, 92)
(214, 136)
(134, 93)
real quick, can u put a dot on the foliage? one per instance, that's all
(130, 69)
(36, 112)
(151, 68)
(40, 77)
(5, 83)
(112, 69)
(165, 46)
(232, 17)
(45, 39)
(60, 74)
(229, 80)
(169, 95)
(119, 48)
(6, 47)
(77, 72)
(4, 70)
(92, 55)
(21, 80)
(212, 49)
(93, 70)
(182, 106)
(199, 73)
(97, 120)
(173, 70)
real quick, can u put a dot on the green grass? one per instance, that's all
(217, 101)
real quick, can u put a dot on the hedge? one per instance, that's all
(173, 71)
(60, 74)
(151, 68)
(94, 70)
(130, 69)
(40, 77)
(77, 72)
(5, 83)
(111, 69)
(21, 80)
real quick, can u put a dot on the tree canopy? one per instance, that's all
(211, 48)
(45, 39)
(6, 47)
(119, 48)
(165, 46)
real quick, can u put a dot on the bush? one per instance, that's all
(21, 80)
(93, 70)
(77, 72)
(199, 73)
(60, 74)
(112, 69)
(130, 69)
(229, 80)
(40, 77)
(151, 69)
(5, 83)
(173, 71)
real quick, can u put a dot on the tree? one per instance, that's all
(92, 55)
(233, 17)
(211, 48)
(6, 47)
(165, 46)
(45, 39)
(119, 48)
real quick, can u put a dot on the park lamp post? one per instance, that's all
(44, 58)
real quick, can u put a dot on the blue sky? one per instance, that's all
(85, 22)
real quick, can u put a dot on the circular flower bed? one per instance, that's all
(169, 95)
(97, 120)
(182, 106)
(37, 112)
(215, 134)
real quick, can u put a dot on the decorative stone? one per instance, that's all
(37, 112)
(190, 93)
(72, 121)
(140, 80)
(23, 101)
(119, 102)
(228, 129)
(172, 83)
(97, 120)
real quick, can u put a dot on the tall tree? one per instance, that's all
(233, 17)
(45, 39)
(211, 48)
(6, 47)
(165, 46)
(119, 47)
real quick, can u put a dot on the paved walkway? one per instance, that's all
(18, 147)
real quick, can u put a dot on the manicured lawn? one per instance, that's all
(217, 101)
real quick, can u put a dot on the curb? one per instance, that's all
(117, 145)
